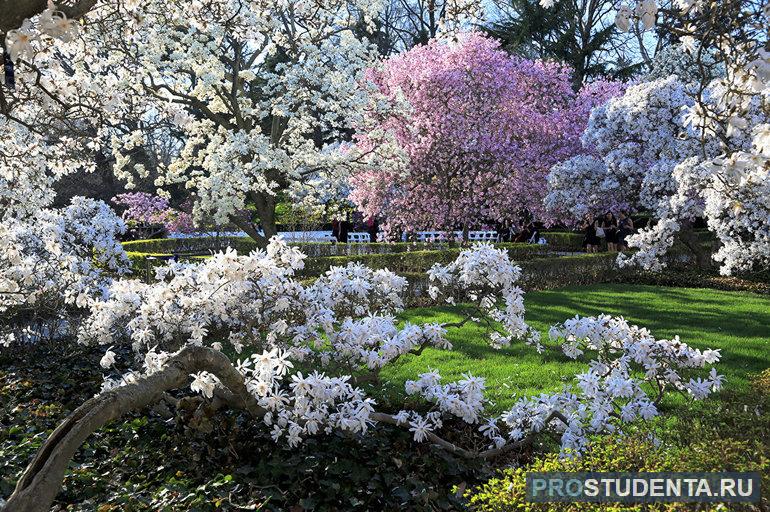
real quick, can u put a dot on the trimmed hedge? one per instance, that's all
(399, 257)
(414, 261)
(697, 278)
(539, 274)
(244, 245)
(188, 245)
(564, 241)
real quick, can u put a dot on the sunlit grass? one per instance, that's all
(737, 323)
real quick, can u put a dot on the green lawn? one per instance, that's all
(737, 323)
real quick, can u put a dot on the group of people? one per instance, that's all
(341, 228)
(613, 230)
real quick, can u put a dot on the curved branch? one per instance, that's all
(16, 11)
(468, 454)
(42, 478)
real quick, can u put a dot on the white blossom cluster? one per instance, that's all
(581, 185)
(51, 23)
(738, 206)
(230, 295)
(682, 150)
(651, 157)
(260, 93)
(56, 259)
(463, 399)
(308, 404)
(249, 98)
(486, 277)
(628, 362)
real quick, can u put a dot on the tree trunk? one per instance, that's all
(251, 231)
(266, 211)
(41, 480)
(690, 239)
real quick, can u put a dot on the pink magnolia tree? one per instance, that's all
(479, 132)
(146, 208)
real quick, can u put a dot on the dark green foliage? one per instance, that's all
(532, 31)
(146, 463)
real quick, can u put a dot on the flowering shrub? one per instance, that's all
(304, 350)
(342, 326)
(62, 261)
(145, 208)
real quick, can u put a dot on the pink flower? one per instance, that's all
(484, 129)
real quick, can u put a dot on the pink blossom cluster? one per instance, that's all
(147, 208)
(480, 133)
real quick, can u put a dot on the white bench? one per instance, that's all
(473, 236)
(359, 238)
(307, 236)
(482, 236)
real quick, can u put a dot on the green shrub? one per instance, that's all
(695, 278)
(413, 261)
(557, 272)
(636, 453)
(564, 241)
(189, 245)
(244, 245)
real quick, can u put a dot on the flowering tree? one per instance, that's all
(686, 150)
(478, 133)
(343, 328)
(146, 208)
(59, 265)
(258, 94)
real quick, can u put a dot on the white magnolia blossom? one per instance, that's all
(343, 328)
(50, 23)
(254, 99)
(204, 383)
(629, 362)
(108, 359)
(653, 156)
(55, 260)
(485, 276)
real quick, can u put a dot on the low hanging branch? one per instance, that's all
(468, 454)
(42, 479)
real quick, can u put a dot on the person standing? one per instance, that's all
(610, 227)
(625, 228)
(591, 241)
(372, 228)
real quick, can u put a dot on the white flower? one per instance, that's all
(204, 383)
(108, 359)
(19, 43)
(421, 429)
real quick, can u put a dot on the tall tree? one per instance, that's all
(581, 33)
(479, 134)
(258, 96)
